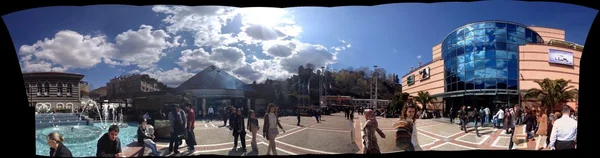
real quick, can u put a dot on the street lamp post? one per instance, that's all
(376, 77)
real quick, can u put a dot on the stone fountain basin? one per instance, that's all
(73, 135)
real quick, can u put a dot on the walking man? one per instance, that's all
(211, 113)
(462, 114)
(487, 114)
(191, 138)
(564, 132)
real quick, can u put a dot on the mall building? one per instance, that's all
(492, 63)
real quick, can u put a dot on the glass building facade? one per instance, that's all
(481, 62)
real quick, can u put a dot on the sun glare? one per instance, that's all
(263, 16)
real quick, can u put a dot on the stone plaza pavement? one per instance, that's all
(332, 136)
(440, 134)
(338, 135)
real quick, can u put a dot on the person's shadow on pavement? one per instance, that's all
(235, 152)
(252, 153)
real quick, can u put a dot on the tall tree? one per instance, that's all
(424, 99)
(552, 93)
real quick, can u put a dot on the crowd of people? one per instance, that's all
(537, 123)
(559, 129)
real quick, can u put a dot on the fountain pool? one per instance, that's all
(82, 140)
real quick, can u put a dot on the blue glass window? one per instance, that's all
(480, 64)
(469, 48)
(490, 63)
(512, 84)
(513, 74)
(469, 85)
(460, 58)
(500, 46)
(469, 56)
(460, 86)
(512, 47)
(501, 54)
(502, 73)
(528, 34)
(460, 32)
(469, 41)
(454, 40)
(490, 46)
(479, 26)
(512, 55)
(490, 54)
(513, 64)
(501, 38)
(470, 33)
(501, 84)
(479, 32)
(453, 61)
(490, 38)
(512, 39)
(469, 66)
(501, 64)
(460, 76)
(479, 84)
(460, 43)
(521, 41)
(479, 55)
(490, 25)
(480, 39)
(459, 50)
(490, 83)
(521, 35)
(500, 32)
(511, 27)
(520, 29)
(469, 76)
(480, 47)
(490, 31)
(501, 25)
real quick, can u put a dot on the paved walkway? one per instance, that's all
(440, 134)
(332, 136)
(337, 135)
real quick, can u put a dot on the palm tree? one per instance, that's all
(424, 98)
(552, 93)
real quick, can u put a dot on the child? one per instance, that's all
(253, 127)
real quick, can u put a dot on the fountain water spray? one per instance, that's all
(99, 115)
(105, 108)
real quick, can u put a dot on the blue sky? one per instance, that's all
(173, 43)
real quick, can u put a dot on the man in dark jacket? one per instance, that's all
(462, 114)
(239, 131)
(231, 117)
(178, 120)
(109, 144)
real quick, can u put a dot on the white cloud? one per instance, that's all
(69, 50)
(279, 48)
(308, 53)
(418, 56)
(171, 78)
(349, 45)
(226, 58)
(205, 22)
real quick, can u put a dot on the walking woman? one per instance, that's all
(57, 148)
(370, 145)
(271, 122)
(542, 130)
(253, 127)
(406, 130)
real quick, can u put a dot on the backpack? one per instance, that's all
(404, 131)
